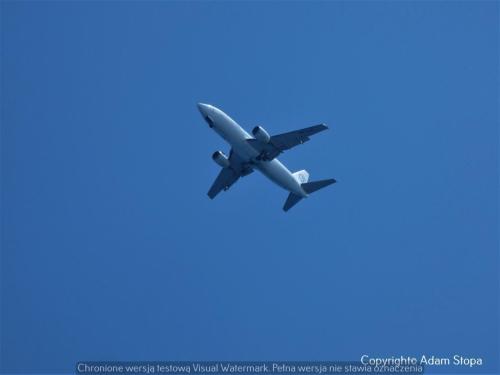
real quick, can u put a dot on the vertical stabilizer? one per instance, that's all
(301, 176)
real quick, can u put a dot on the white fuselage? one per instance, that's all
(237, 137)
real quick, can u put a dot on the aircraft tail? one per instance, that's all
(309, 187)
(291, 201)
(301, 176)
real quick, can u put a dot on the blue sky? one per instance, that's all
(111, 249)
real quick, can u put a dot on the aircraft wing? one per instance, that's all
(285, 141)
(229, 175)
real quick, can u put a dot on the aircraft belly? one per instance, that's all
(245, 151)
(280, 175)
(272, 169)
(249, 153)
(236, 136)
(233, 132)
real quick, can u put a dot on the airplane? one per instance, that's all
(259, 151)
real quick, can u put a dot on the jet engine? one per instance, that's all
(259, 133)
(221, 159)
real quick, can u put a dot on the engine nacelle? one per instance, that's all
(260, 134)
(221, 159)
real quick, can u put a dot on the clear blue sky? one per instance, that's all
(111, 249)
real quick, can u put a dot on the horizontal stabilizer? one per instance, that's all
(291, 201)
(311, 187)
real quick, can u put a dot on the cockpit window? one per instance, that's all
(209, 121)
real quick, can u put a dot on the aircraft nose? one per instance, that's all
(206, 111)
(203, 108)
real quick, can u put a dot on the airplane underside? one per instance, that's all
(259, 151)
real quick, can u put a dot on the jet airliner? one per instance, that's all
(259, 151)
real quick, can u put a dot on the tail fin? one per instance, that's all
(311, 187)
(301, 176)
(291, 201)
